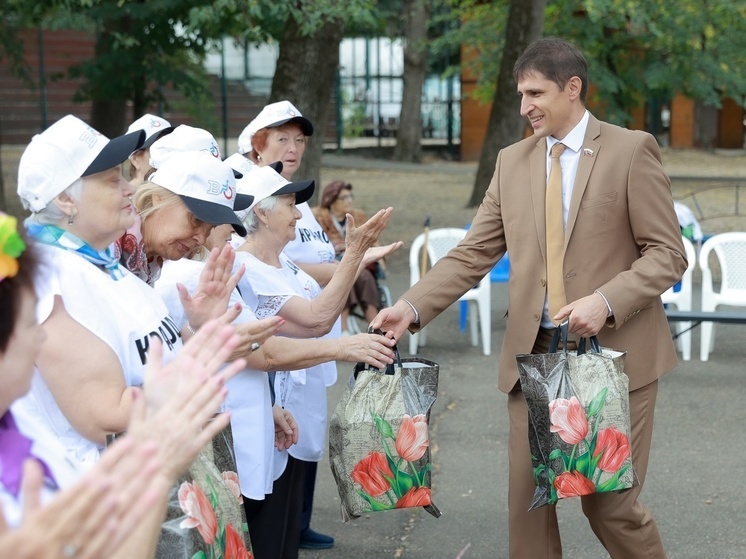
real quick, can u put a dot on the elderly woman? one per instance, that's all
(116, 509)
(70, 177)
(155, 128)
(336, 205)
(279, 134)
(255, 431)
(275, 286)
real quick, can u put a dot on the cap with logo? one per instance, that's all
(154, 126)
(272, 116)
(263, 182)
(205, 184)
(183, 138)
(63, 153)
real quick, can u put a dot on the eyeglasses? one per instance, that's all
(345, 197)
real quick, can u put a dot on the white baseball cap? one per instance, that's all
(205, 184)
(154, 127)
(239, 163)
(65, 152)
(263, 182)
(183, 138)
(272, 116)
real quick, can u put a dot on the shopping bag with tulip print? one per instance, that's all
(579, 428)
(379, 447)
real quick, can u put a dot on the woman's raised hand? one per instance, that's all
(374, 254)
(359, 239)
(91, 518)
(216, 283)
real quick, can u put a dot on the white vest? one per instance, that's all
(249, 400)
(303, 393)
(312, 246)
(123, 314)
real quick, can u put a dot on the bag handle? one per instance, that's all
(595, 346)
(562, 331)
(559, 332)
(390, 369)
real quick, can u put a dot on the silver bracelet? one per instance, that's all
(190, 329)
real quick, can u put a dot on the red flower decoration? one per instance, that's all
(412, 440)
(200, 515)
(615, 448)
(231, 480)
(568, 420)
(415, 497)
(369, 474)
(235, 548)
(573, 484)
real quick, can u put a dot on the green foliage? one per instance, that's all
(478, 27)
(637, 49)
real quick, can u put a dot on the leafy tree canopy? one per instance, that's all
(636, 49)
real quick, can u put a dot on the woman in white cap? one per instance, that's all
(50, 507)
(274, 286)
(155, 128)
(257, 426)
(280, 133)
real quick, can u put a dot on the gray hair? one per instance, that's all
(53, 215)
(251, 221)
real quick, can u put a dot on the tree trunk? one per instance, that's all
(305, 76)
(108, 112)
(408, 147)
(525, 25)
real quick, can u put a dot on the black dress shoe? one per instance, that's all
(313, 540)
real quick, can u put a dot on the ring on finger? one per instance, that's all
(69, 550)
(254, 346)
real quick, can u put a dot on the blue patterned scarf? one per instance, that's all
(57, 237)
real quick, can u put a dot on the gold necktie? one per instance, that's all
(555, 234)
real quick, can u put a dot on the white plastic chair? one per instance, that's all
(730, 249)
(682, 299)
(439, 242)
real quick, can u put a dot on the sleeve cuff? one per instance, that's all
(608, 306)
(416, 314)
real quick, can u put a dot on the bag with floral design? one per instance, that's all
(205, 517)
(579, 426)
(379, 446)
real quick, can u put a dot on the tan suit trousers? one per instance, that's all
(622, 524)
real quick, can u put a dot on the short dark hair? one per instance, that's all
(557, 59)
(11, 289)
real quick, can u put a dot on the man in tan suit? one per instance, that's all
(622, 249)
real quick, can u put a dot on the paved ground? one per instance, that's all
(694, 480)
(698, 459)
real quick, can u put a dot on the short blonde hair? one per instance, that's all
(144, 199)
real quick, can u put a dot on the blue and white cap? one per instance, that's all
(183, 138)
(205, 184)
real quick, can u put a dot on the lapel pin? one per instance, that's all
(588, 152)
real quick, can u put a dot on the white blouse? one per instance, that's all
(266, 289)
(259, 464)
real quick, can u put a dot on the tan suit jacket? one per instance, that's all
(622, 238)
